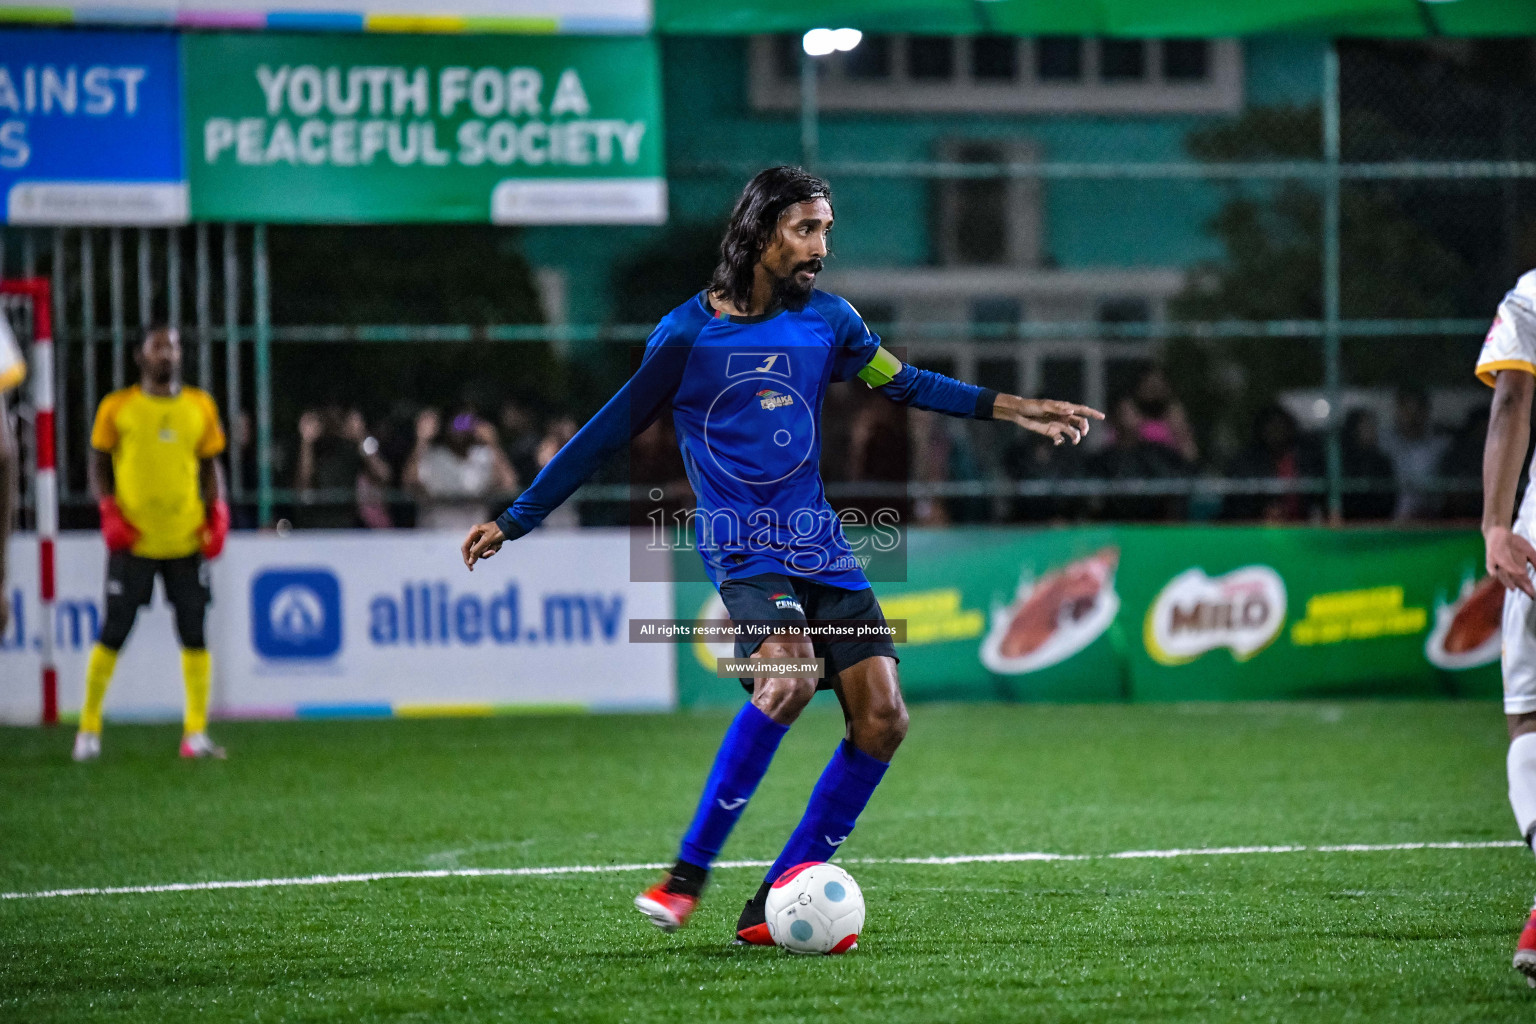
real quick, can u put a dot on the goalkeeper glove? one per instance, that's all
(216, 529)
(117, 531)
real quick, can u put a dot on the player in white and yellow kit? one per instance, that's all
(1508, 364)
(160, 492)
(13, 370)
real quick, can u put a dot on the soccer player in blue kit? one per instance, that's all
(744, 365)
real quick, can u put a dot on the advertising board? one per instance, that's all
(359, 623)
(388, 129)
(90, 128)
(1174, 613)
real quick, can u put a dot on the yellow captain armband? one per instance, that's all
(880, 370)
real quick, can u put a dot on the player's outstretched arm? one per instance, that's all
(924, 389)
(1510, 556)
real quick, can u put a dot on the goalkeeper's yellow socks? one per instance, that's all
(196, 671)
(98, 676)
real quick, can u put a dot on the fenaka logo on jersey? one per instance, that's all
(296, 613)
(770, 399)
(1242, 611)
(786, 601)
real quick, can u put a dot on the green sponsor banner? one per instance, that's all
(1125, 18)
(383, 128)
(1174, 613)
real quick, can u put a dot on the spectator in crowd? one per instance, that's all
(1131, 455)
(1276, 451)
(1416, 449)
(456, 473)
(1463, 462)
(1155, 415)
(339, 476)
(242, 469)
(519, 439)
(396, 432)
(1364, 460)
(558, 431)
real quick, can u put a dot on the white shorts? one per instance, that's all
(1519, 654)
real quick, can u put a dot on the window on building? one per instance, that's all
(994, 58)
(1131, 309)
(1063, 379)
(786, 56)
(930, 58)
(1122, 60)
(998, 316)
(1059, 58)
(1186, 60)
(879, 316)
(980, 205)
(871, 59)
(987, 221)
(998, 374)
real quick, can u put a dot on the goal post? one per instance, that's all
(28, 303)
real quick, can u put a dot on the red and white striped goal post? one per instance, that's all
(39, 293)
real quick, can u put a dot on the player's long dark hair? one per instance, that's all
(752, 224)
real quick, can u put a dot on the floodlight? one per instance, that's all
(846, 38)
(819, 42)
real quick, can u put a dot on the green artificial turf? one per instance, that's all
(1419, 935)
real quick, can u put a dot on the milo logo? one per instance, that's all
(1242, 611)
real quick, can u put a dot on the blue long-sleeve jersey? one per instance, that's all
(746, 396)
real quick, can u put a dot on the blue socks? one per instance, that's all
(840, 795)
(744, 756)
(842, 791)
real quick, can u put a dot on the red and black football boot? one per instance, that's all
(1525, 951)
(752, 925)
(670, 902)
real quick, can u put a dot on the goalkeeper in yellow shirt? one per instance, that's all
(160, 492)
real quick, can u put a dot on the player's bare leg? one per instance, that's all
(1522, 798)
(870, 694)
(743, 758)
(782, 698)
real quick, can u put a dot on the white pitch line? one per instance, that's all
(599, 869)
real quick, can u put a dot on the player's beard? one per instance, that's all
(789, 292)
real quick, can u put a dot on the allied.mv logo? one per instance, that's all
(296, 613)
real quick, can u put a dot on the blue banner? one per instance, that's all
(90, 128)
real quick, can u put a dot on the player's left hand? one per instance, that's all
(216, 529)
(483, 542)
(1059, 421)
